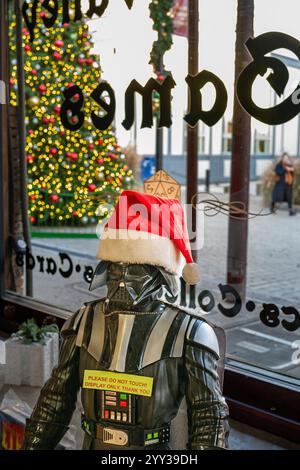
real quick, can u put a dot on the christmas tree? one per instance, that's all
(72, 176)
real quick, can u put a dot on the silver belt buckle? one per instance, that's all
(115, 436)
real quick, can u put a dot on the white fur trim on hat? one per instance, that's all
(136, 247)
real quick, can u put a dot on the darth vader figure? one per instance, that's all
(137, 357)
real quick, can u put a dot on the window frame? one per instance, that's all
(4, 203)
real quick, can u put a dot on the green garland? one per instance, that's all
(161, 14)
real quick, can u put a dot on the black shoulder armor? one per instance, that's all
(71, 325)
(201, 333)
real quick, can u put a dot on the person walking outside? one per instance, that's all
(283, 189)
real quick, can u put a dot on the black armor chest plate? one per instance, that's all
(135, 343)
(129, 342)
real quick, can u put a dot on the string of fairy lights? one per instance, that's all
(72, 176)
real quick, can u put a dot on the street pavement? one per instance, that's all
(273, 277)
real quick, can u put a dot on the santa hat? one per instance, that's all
(146, 229)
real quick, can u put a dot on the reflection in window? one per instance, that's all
(261, 143)
(227, 137)
(75, 177)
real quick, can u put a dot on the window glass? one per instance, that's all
(74, 177)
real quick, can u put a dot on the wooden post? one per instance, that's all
(159, 150)
(192, 132)
(240, 163)
(22, 138)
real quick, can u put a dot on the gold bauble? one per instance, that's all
(33, 101)
(100, 176)
(72, 14)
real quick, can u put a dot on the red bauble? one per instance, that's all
(42, 14)
(27, 48)
(89, 61)
(100, 161)
(71, 84)
(75, 214)
(76, 97)
(30, 132)
(29, 158)
(59, 43)
(33, 219)
(12, 81)
(52, 120)
(53, 198)
(57, 55)
(62, 133)
(92, 188)
(72, 156)
(91, 146)
(34, 72)
(81, 61)
(33, 197)
(45, 120)
(160, 78)
(100, 142)
(42, 88)
(53, 151)
(113, 156)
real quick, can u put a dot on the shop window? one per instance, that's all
(72, 180)
(227, 139)
(261, 143)
(201, 140)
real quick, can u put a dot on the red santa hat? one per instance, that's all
(146, 229)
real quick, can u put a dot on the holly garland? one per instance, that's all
(161, 12)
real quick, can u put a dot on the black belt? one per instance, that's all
(124, 436)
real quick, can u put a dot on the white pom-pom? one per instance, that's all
(191, 273)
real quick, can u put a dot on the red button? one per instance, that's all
(106, 414)
(123, 404)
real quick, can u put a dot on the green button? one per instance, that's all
(123, 396)
(149, 436)
(155, 435)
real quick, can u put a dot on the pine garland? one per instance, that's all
(162, 16)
